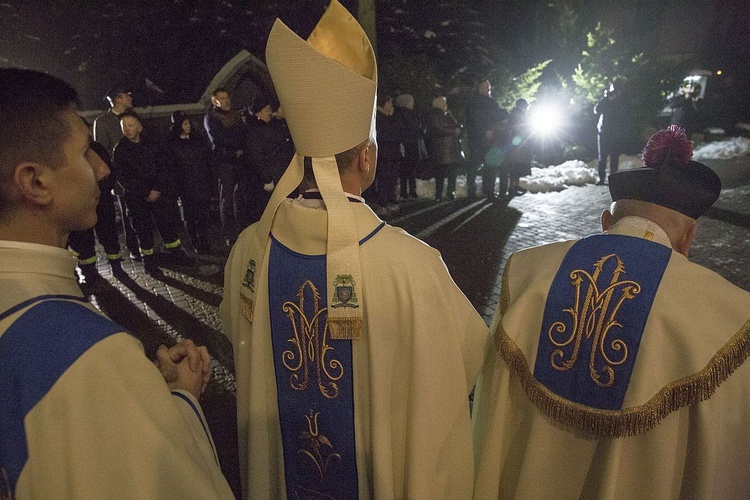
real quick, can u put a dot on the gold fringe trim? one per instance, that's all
(345, 328)
(504, 288)
(246, 307)
(598, 423)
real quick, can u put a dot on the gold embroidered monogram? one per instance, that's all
(593, 319)
(310, 346)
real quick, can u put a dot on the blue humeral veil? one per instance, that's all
(313, 380)
(595, 315)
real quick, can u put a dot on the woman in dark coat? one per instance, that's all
(191, 158)
(443, 147)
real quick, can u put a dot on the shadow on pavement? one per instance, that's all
(722, 214)
(183, 322)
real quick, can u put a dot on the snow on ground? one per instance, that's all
(558, 177)
(723, 150)
(578, 173)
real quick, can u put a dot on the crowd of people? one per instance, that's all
(432, 146)
(163, 183)
(613, 368)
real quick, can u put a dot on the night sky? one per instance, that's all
(179, 45)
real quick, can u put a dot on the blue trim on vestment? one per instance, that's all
(34, 352)
(595, 316)
(40, 298)
(200, 419)
(314, 380)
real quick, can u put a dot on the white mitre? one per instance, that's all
(327, 86)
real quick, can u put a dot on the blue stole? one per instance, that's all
(314, 379)
(34, 352)
(595, 315)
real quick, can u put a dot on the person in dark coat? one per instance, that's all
(413, 142)
(443, 147)
(612, 129)
(518, 151)
(685, 107)
(265, 157)
(484, 119)
(147, 176)
(191, 160)
(390, 152)
(226, 131)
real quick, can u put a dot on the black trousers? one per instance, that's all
(611, 148)
(229, 175)
(387, 176)
(161, 214)
(84, 242)
(442, 173)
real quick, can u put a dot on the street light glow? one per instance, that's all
(545, 119)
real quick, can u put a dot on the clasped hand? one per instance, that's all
(185, 366)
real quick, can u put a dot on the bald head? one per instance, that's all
(679, 227)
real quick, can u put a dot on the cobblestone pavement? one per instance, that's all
(474, 237)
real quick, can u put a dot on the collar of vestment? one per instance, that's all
(641, 228)
(303, 229)
(46, 269)
(314, 199)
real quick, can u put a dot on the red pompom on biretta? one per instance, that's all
(668, 146)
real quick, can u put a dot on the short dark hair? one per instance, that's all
(343, 162)
(219, 89)
(132, 113)
(31, 107)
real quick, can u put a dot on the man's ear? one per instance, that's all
(607, 220)
(686, 239)
(363, 159)
(31, 180)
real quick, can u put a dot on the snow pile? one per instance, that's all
(557, 178)
(723, 150)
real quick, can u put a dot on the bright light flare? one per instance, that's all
(545, 119)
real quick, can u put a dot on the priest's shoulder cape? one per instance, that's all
(400, 393)
(84, 413)
(620, 372)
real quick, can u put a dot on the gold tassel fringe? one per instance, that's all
(345, 328)
(598, 423)
(246, 307)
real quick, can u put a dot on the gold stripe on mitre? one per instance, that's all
(327, 85)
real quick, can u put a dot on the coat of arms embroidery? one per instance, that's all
(344, 294)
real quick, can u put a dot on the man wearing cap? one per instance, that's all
(107, 131)
(621, 367)
(355, 352)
